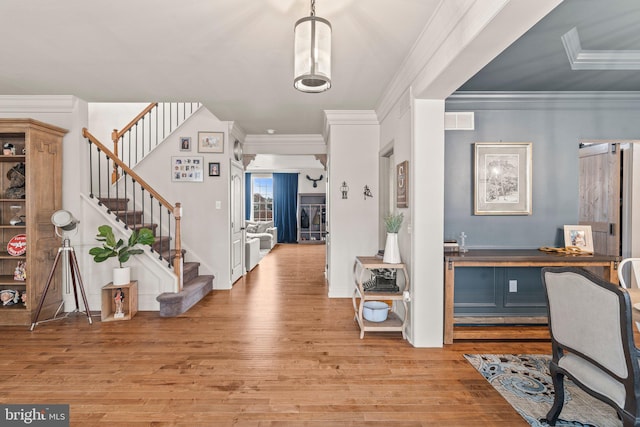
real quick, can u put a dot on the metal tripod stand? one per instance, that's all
(76, 279)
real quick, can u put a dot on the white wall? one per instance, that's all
(353, 223)
(306, 186)
(205, 226)
(104, 117)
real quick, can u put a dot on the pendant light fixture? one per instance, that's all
(312, 48)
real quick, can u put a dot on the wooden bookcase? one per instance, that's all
(39, 146)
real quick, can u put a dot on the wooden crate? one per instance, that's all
(130, 303)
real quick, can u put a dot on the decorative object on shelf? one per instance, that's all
(315, 181)
(187, 169)
(451, 245)
(185, 143)
(210, 142)
(367, 192)
(9, 296)
(344, 189)
(503, 178)
(402, 183)
(578, 238)
(312, 53)
(463, 242)
(20, 272)
(375, 311)
(118, 298)
(17, 245)
(120, 249)
(391, 249)
(8, 149)
(382, 280)
(17, 218)
(16, 176)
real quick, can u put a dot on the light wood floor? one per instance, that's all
(272, 351)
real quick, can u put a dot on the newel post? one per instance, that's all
(177, 258)
(115, 175)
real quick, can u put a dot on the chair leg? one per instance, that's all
(558, 401)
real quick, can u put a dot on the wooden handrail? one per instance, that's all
(129, 171)
(175, 210)
(117, 134)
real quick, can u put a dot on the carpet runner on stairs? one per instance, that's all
(195, 286)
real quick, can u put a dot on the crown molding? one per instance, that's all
(480, 100)
(348, 117)
(37, 103)
(285, 144)
(582, 59)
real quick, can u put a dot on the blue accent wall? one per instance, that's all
(554, 127)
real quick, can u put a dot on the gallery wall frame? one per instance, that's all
(402, 184)
(578, 236)
(187, 169)
(211, 142)
(503, 173)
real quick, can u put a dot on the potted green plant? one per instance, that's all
(120, 249)
(392, 222)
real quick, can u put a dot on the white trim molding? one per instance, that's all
(547, 100)
(285, 144)
(582, 59)
(17, 104)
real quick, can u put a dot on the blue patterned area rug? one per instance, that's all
(524, 381)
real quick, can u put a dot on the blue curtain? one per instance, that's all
(247, 196)
(285, 206)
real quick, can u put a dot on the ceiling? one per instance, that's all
(537, 61)
(235, 56)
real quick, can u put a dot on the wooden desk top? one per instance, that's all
(523, 255)
(375, 262)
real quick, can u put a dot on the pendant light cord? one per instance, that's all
(313, 7)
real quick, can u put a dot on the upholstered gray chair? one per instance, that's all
(592, 341)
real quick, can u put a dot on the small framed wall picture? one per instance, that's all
(402, 180)
(211, 142)
(214, 169)
(185, 143)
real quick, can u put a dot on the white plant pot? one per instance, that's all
(392, 250)
(121, 276)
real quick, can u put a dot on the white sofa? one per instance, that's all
(263, 230)
(251, 253)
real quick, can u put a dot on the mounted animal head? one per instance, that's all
(315, 181)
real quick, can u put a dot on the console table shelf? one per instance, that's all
(511, 258)
(393, 322)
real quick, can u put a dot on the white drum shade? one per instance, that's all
(312, 47)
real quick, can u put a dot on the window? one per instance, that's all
(262, 201)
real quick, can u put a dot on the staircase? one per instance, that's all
(135, 204)
(194, 286)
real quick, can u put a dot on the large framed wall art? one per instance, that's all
(502, 178)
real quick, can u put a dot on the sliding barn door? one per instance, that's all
(600, 195)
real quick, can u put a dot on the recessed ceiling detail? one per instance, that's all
(582, 59)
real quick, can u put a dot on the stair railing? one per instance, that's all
(147, 130)
(132, 187)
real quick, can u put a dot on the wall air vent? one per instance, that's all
(459, 120)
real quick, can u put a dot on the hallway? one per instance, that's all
(274, 350)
